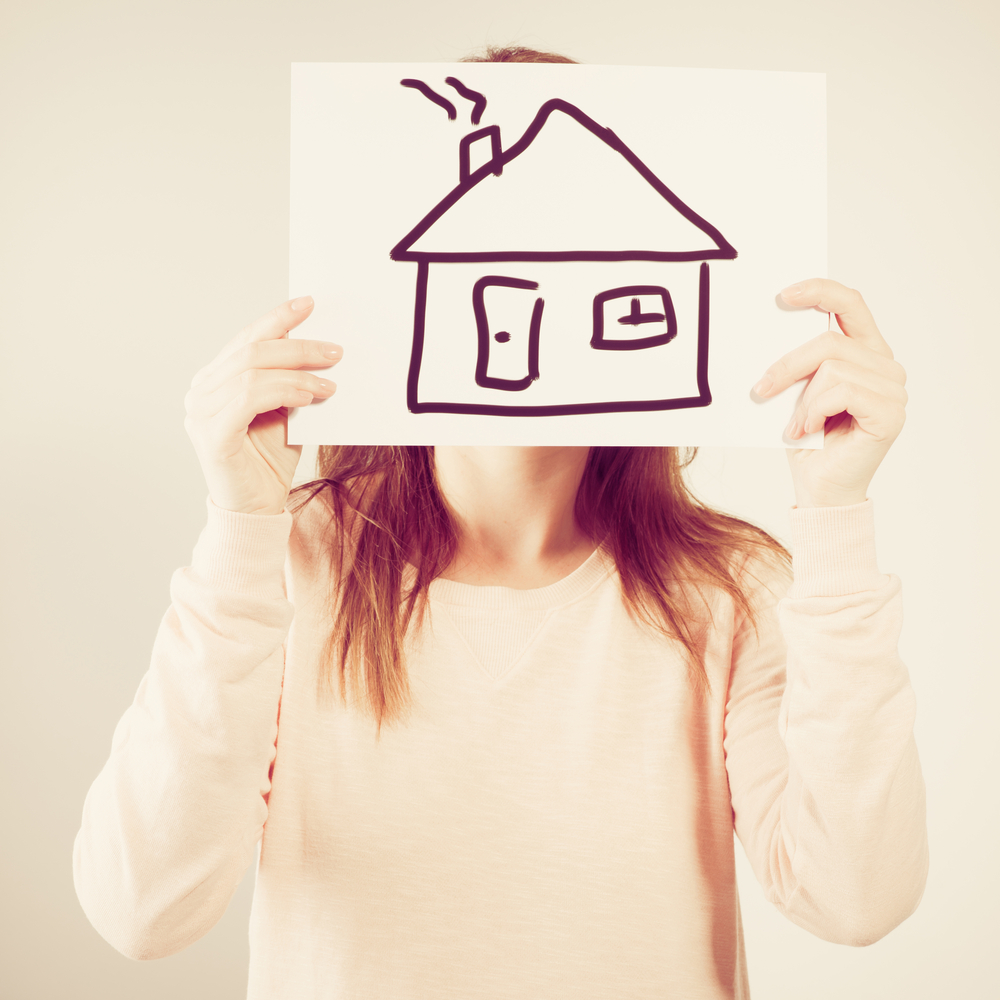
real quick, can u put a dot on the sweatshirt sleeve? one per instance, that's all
(172, 821)
(827, 793)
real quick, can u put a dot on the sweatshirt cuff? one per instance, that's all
(243, 553)
(833, 551)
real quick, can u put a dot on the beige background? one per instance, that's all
(143, 206)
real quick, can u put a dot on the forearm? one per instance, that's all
(172, 821)
(841, 845)
(855, 823)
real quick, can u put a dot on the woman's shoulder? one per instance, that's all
(763, 570)
(743, 579)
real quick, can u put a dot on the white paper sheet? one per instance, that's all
(590, 255)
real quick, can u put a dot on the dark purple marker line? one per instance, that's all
(598, 341)
(566, 409)
(615, 143)
(492, 256)
(723, 248)
(703, 296)
(417, 353)
(483, 378)
(466, 143)
(479, 105)
(440, 101)
(636, 317)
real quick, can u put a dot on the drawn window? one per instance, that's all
(633, 317)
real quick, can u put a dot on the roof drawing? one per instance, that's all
(576, 199)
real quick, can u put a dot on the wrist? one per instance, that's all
(815, 491)
(243, 553)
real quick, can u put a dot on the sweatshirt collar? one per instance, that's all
(594, 570)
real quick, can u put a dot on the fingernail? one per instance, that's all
(791, 291)
(326, 385)
(332, 351)
(302, 303)
(763, 387)
(792, 429)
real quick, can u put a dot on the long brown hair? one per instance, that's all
(394, 534)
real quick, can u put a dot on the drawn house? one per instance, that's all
(560, 276)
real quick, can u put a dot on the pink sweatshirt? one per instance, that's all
(556, 817)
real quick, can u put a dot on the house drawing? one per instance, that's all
(567, 278)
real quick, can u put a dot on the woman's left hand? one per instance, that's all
(855, 389)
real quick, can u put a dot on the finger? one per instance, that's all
(831, 373)
(236, 416)
(268, 354)
(234, 419)
(845, 303)
(270, 326)
(256, 387)
(807, 358)
(875, 414)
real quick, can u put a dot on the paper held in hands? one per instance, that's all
(554, 254)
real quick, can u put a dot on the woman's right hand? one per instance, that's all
(237, 409)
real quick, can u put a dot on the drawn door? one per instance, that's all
(508, 325)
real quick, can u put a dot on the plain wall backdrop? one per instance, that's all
(144, 219)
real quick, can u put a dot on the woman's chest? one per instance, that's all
(595, 733)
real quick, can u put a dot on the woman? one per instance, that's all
(510, 762)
